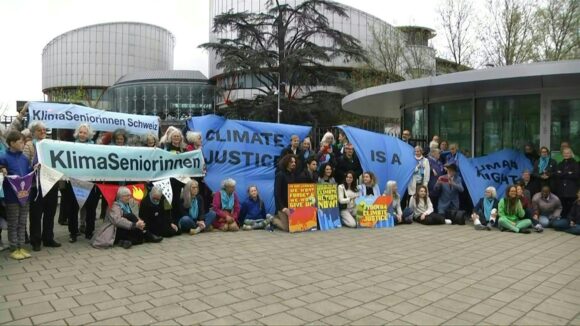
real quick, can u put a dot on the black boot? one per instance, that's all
(150, 237)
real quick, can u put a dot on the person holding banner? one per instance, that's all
(253, 213)
(511, 213)
(568, 173)
(400, 216)
(572, 223)
(347, 194)
(327, 172)
(285, 176)
(174, 143)
(484, 214)
(194, 217)
(150, 140)
(83, 136)
(226, 205)
(119, 137)
(121, 226)
(369, 186)
(422, 208)
(42, 207)
(14, 163)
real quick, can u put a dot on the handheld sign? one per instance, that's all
(327, 202)
(302, 205)
(372, 212)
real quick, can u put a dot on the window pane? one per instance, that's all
(565, 124)
(507, 122)
(451, 121)
(414, 120)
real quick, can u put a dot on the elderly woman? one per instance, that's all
(568, 172)
(157, 219)
(150, 140)
(400, 216)
(511, 213)
(121, 226)
(42, 209)
(421, 173)
(226, 206)
(83, 135)
(194, 217)
(484, 214)
(119, 137)
(307, 150)
(193, 140)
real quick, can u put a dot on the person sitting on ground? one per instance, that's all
(400, 216)
(511, 213)
(572, 223)
(327, 174)
(422, 208)
(547, 207)
(369, 186)
(157, 219)
(194, 217)
(253, 213)
(449, 187)
(286, 175)
(226, 206)
(484, 214)
(347, 194)
(121, 226)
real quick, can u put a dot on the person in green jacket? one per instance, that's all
(512, 214)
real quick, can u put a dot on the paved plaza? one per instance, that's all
(411, 274)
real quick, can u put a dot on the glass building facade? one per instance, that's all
(565, 124)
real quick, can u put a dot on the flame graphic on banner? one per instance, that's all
(137, 193)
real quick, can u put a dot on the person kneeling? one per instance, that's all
(121, 226)
(226, 206)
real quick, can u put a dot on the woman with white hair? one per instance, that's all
(42, 208)
(326, 152)
(173, 142)
(484, 214)
(226, 206)
(150, 140)
(400, 216)
(157, 219)
(193, 140)
(83, 135)
(194, 215)
(121, 226)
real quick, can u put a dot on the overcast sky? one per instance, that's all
(28, 25)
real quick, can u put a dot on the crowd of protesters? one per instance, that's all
(547, 196)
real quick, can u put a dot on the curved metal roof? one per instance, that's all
(387, 100)
(158, 75)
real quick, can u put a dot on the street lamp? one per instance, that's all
(279, 86)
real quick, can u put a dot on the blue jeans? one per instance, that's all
(187, 223)
(563, 224)
(547, 222)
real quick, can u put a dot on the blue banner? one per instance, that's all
(327, 203)
(499, 169)
(387, 157)
(69, 116)
(246, 151)
(90, 162)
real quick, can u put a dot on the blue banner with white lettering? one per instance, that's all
(246, 151)
(70, 116)
(389, 158)
(499, 169)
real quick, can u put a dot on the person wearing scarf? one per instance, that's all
(484, 214)
(226, 206)
(421, 173)
(194, 217)
(157, 219)
(544, 168)
(121, 226)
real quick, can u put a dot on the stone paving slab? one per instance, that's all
(411, 274)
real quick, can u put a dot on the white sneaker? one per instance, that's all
(448, 221)
(539, 228)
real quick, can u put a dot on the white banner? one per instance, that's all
(82, 190)
(165, 186)
(69, 116)
(48, 178)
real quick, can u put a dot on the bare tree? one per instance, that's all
(419, 57)
(558, 28)
(508, 34)
(386, 50)
(456, 20)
